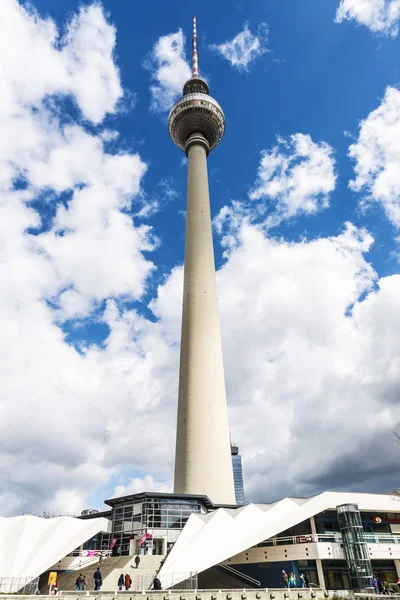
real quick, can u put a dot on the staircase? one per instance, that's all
(66, 580)
(142, 578)
(111, 568)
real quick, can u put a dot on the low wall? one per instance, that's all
(74, 563)
(245, 594)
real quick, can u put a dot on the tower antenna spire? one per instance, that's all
(195, 55)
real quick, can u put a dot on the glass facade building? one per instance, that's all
(160, 517)
(338, 548)
(237, 475)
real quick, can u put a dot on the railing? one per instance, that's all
(69, 564)
(382, 538)
(78, 559)
(24, 585)
(291, 539)
(143, 583)
(87, 553)
(240, 575)
(371, 538)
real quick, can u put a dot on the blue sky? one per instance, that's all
(305, 193)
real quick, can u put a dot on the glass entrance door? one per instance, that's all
(158, 546)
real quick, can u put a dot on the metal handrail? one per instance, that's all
(374, 538)
(291, 539)
(90, 560)
(98, 553)
(240, 574)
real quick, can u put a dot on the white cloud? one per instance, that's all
(245, 47)
(296, 176)
(88, 54)
(312, 366)
(376, 156)
(54, 401)
(81, 64)
(379, 15)
(138, 484)
(305, 359)
(91, 234)
(169, 70)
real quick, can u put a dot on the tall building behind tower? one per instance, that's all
(237, 474)
(202, 461)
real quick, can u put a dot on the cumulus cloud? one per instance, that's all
(79, 64)
(67, 244)
(376, 156)
(311, 347)
(310, 334)
(169, 70)
(140, 484)
(381, 16)
(296, 176)
(245, 47)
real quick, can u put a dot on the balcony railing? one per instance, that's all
(89, 553)
(371, 538)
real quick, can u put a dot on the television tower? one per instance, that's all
(203, 456)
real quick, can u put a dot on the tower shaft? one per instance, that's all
(203, 457)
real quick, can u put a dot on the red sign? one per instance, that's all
(385, 520)
(146, 536)
(113, 542)
(306, 539)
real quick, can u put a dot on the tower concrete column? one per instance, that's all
(203, 462)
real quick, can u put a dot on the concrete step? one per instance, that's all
(67, 579)
(142, 578)
(111, 568)
(149, 561)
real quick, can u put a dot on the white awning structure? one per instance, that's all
(210, 539)
(29, 545)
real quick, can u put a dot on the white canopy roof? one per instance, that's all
(29, 545)
(211, 539)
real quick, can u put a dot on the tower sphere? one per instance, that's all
(196, 112)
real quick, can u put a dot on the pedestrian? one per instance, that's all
(285, 579)
(128, 581)
(292, 580)
(157, 584)
(380, 585)
(137, 560)
(302, 581)
(374, 584)
(306, 580)
(121, 582)
(84, 582)
(79, 583)
(98, 580)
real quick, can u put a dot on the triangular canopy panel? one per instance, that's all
(29, 545)
(205, 543)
